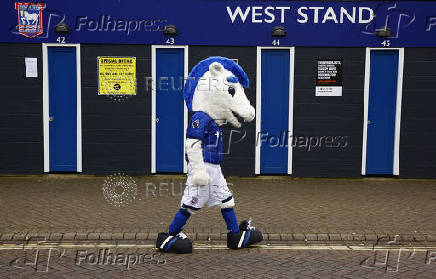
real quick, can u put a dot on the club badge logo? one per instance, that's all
(196, 124)
(194, 200)
(29, 18)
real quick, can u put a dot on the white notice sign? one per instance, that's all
(31, 67)
(329, 78)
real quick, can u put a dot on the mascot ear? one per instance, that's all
(216, 68)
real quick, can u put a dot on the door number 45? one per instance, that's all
(386, 43)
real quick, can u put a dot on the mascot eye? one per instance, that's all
(231, 91)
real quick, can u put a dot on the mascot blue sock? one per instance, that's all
(230, 218)
(179, 221)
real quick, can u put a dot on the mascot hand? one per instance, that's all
(200, 178)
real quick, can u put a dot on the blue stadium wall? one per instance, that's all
(117, 136)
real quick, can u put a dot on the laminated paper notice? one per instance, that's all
(116, 75)
(31, 67)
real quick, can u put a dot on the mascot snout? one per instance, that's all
(244, 111)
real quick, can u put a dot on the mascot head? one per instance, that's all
(216, 87)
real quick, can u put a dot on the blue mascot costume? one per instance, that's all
(214, 93)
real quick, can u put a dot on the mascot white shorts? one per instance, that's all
(216, 193)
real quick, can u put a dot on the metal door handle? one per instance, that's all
(369, 122)
(50, 119)
(157, 120)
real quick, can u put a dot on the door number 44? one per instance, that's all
(276, 42)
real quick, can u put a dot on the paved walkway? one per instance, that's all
(207, 264)
(66, 207)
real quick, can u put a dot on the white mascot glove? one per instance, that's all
(195, 157)
(200, 178)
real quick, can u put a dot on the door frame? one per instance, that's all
(259, 105)
(46, 108)
(396, 167)
(153, 102)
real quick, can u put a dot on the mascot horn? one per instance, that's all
(214, 93)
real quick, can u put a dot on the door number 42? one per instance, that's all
(61, 40)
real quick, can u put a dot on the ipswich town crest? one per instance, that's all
(29, 18)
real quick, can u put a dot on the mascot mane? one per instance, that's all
(202, 67)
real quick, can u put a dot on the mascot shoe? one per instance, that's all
(177, 244)
(246, 236)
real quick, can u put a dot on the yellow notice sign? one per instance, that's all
(116, 75)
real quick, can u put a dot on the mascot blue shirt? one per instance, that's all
(202, 127)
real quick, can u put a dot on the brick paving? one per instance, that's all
(73, 207)
(204, 264)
